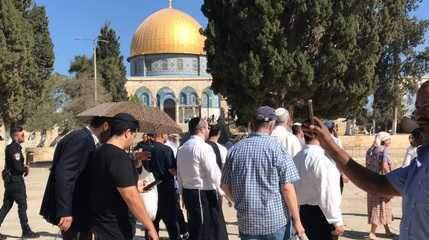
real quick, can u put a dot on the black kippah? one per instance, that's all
(193, 123)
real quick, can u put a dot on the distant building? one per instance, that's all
(169, 67)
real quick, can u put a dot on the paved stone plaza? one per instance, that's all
(354, 209)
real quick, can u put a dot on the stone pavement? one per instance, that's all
(354, 209)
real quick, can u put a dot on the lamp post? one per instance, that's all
(94, 47)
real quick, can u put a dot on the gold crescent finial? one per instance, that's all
(170, 3)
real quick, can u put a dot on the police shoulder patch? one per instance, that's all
(17, 156)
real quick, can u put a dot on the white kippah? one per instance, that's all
(282, 115)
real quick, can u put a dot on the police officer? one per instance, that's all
(13, 177)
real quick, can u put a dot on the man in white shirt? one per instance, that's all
(330, 125)
(283, 135)
(318, 192)
(172, 143)
(199, 178)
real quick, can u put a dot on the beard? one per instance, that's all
(104, 136)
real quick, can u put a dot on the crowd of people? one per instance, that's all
(284, 180)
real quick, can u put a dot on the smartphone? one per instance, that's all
(310, 111)
(151, 185)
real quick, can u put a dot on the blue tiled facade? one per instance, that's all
(169, 65)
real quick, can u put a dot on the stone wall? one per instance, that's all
(31, 142)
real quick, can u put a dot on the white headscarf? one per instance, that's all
(377, 141)
(384, 136)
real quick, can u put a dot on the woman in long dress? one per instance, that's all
(379, 209)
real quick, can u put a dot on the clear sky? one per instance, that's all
(71, 19)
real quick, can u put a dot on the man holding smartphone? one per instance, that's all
(113, 186)
(409, 182)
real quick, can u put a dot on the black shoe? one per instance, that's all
(2, 237)
(30, 234)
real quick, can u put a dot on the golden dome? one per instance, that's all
(168, 31)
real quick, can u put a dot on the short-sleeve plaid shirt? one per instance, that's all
(256, 168)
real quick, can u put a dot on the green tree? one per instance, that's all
(400, 66)
(17, 66)
(42, 52)
(110, 63)
(80, 65)
(76, 93)
(23, 5)
(284, 52)
(46, 115)
(26, 59)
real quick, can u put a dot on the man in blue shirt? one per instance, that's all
(258, 175)
(410, 182)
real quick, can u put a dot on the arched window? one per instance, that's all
(205, 100)
(183, 98)
(145, 96)
(212, 99)
(194, 99)
(188, 96)
(163, 94)
(145, 99)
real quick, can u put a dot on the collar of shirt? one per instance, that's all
(314, 146)
(196, 137)
(96, 140)
(259, 134)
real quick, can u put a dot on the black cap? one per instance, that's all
(265, 114)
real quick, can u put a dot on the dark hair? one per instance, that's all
(121, 122)
(309, 137)
(257, 124)
(15, 129)
(96, 122)
(417, 133)
(214, 131)
(195, 124)
(296, 129)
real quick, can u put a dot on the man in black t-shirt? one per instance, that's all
(163, 167)
(113, 191)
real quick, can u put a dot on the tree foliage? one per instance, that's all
(401, 65)
(284, 52)
(26, 58)
(110, 63)
(46, 114)
(76, 94)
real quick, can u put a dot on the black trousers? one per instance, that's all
(205, 217)
(73, 234)
(167, 210)
(183, 225)
(315, 224)
(15, 192)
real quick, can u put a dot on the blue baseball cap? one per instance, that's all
(265, 113)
